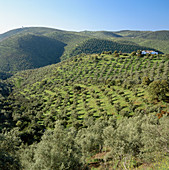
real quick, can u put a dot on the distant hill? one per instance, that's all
(29, 51)
(35, 30)
(101, 34)
(34, 47)
(132, 34)
(154, 35)
(158, 35)
(71, 39)
(9, 33)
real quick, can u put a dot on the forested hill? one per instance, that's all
(28, 48)
(29, 51)
(35, 47)
(94, 45)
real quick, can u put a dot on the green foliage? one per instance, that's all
(155, 138)
(18, 83)
(139, 53)
(158, 89)
(141, 136)
(57, 150)
(123, 141)
(167, 56)
(8, 151)
(146, 81)
(133, 53)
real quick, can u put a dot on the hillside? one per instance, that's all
(132, 34)
(153, 35)
(33, 30)
(90, 110)
(27, 51)
(71, 39)
(28, 48)
(35, 47)
(9, 33)
(157, 39)
(158, 35)
(91, 46)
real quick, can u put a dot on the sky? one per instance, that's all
(80, 15)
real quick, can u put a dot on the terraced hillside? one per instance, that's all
(92, 84)
(100, 107)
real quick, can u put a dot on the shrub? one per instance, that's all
(158, 89)
(57, 150)
(146, 81)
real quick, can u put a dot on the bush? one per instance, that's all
(57, 150)
(125, 54)
(8, 151)
(158, 89)
(155, 138)
(146, 81)
(140, 136)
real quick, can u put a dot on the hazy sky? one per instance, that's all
(78, 15)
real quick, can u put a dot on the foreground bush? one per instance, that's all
(57, 150)
(127, 142)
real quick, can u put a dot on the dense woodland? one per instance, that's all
(106, 110)
(98, 45)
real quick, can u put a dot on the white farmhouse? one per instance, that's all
(149, 52)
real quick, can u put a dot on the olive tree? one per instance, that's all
(158, 89)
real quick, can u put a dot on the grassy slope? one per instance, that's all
(128, 33)
(71, 39)
(34, 30)
(101, 34)
(158, 35)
